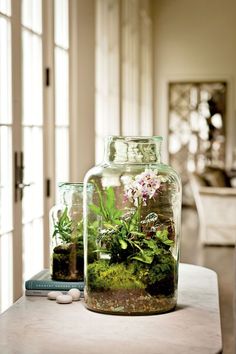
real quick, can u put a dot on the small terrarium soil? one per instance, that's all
(126, 302)
(67, 263)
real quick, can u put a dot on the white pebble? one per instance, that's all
(52, 295)
(75, 293)
(64, 299)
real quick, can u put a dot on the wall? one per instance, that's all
(195, 40)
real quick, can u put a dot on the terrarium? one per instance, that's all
(66, 225)
(135, 214)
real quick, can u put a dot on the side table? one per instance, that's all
(36, 325)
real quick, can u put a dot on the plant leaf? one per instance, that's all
(96, 209)
(163, 237)
(110, 202)
(143, 257)
(123, 244)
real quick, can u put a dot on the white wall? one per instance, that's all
(195, 40)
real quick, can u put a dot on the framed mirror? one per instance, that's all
(197, 126)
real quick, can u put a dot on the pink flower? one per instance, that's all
(143, 187)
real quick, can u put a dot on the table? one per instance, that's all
(36, 325)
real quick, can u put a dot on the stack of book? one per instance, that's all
(41, 283)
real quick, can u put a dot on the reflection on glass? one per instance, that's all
(5, 71)
(32, 15)
(62, 156)
(61, 23)
(61, 86)
(5, 7)
(32, 248)
(32, 79)
(33, 173)
(5, 179)
(6, 271)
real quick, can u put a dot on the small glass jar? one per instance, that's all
(66, 225)
(136, 211)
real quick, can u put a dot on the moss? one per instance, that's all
(103, 276)
(159, 277)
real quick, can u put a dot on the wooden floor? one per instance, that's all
(221, 260)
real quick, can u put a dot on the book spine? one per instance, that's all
(52, 285)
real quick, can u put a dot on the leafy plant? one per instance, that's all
(121, 236)
(68, 231)
(63, 227)
(139, 250)
(106, 207)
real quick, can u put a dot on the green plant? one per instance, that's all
(122, 237)
(102, 276)
(69, 231)
(63, 228)
(140, 250)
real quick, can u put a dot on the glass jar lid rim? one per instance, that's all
(157, 138)
(73, 185)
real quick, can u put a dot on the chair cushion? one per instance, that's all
(199, 180)
(216, 177)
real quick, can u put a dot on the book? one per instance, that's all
(34, 292)
(43, 281)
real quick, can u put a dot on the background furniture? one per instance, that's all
(216, 207)
(36, 325)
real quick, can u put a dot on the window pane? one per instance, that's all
(5, 179)
(32, 15)
(32, 79)
(5, 7)
(61, 23)
(5, 71)
(6, 271)
(61, 87)
(33, 173)
(62, 155)
(32, 248)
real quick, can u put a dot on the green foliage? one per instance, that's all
(63, 227)
(67, 232)
(106, 208)
(163, 237)
(121, 236)
(104, 276)
(138, 258)
(159, 277)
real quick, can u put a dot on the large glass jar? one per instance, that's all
(135, 214)
(66, 225)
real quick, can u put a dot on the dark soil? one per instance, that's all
(67, 264)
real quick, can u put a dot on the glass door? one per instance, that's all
(61, 65)
(32, 136)
(6, 170)
(34, 117)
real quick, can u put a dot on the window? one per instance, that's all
(34, 133)
(61, 55)
(124, 80)
(32, 136)
(6, 185)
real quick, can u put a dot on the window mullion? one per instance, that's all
(49, 117)
(17, 143)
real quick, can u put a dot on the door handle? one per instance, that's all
(19, 176)
(23, 185)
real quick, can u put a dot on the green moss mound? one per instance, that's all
(103, 276)
(159, 278)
